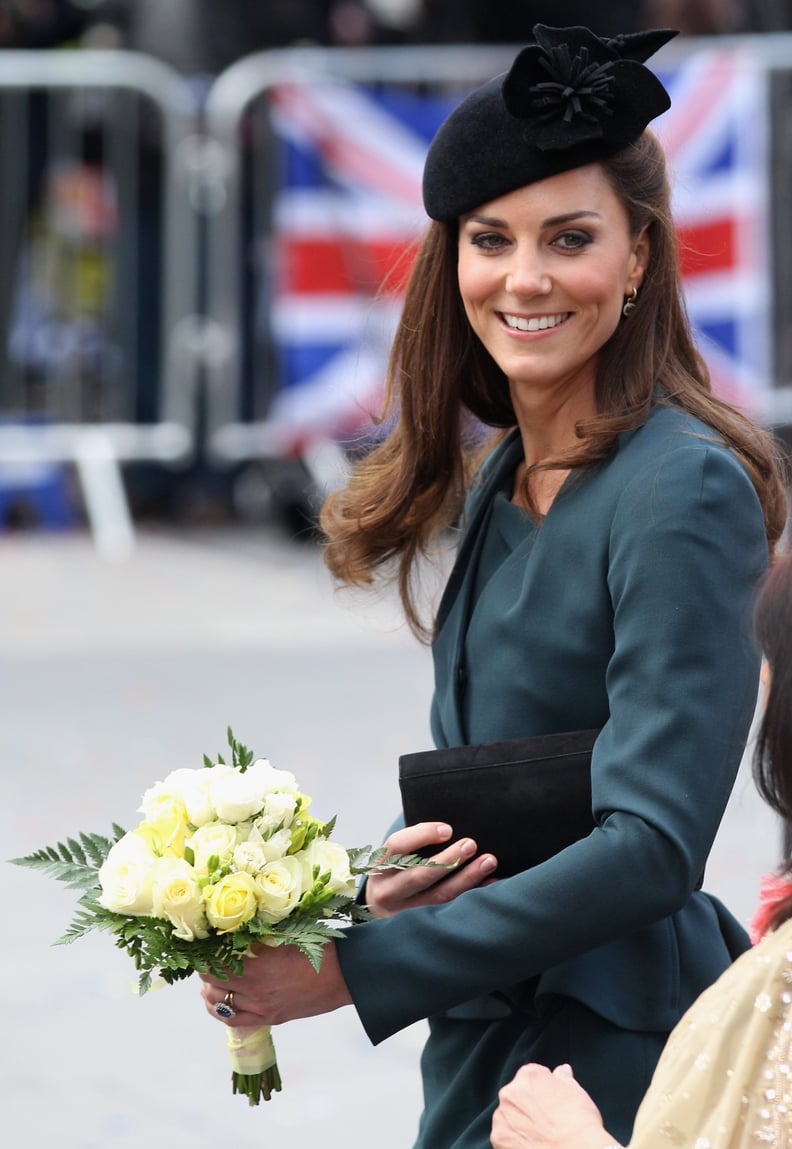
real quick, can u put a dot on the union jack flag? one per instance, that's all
(716, 135)
(348, 212)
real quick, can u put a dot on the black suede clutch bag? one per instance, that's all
(521, 800)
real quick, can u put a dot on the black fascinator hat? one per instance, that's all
(570, 98)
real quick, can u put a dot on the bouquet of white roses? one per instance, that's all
(225, 857)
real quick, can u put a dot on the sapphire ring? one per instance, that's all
(225, 1008)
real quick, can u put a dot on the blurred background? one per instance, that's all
(206, 217)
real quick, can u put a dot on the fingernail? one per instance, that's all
(488, 865)
(467, 849)
(443, 831)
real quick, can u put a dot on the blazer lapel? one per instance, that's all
(448, 647)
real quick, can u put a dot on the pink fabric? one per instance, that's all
(773, 889)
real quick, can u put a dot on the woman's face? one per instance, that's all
(543, 272)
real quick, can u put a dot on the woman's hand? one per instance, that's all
(540, 1109)
(279, 984)
(394, 890)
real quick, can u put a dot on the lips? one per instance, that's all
(534, 322)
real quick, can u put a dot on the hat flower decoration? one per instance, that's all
(575, 86)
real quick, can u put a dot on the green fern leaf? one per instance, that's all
(76, 851)
(97, 847)
(82, 924)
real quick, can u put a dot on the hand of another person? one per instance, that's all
(279, 984)
(544, 1109)
(394, 890)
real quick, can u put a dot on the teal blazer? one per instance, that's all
(629, 609)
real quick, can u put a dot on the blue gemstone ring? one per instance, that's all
(225, 1008)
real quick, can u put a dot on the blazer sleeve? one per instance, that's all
(686, 547)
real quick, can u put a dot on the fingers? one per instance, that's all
(529, 1076)
(468, 876)
(413, 838)
(410, 839)
(215, 993)
(456, 870)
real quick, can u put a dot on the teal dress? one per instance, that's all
(629, 610)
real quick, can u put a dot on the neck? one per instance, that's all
(547, 422)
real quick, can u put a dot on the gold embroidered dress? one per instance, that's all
(724, 1080)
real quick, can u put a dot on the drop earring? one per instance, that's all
(629, 306)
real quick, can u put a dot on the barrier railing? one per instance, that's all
(295, 270)
(178, 281)
(97, 271)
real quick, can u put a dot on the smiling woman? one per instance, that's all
(613, 528)
(544, 290)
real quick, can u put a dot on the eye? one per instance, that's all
(572, 240)
(488, 240)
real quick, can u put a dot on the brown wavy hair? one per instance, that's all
(442, 384)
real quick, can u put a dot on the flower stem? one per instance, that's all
(257, 1085)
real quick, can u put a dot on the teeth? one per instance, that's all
(535, 323)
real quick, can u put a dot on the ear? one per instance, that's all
(639, 260)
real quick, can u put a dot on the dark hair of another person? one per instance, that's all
(408, 490)
(772, 764)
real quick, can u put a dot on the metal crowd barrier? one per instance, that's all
(249, 302)
(97, 271)
(172, 284)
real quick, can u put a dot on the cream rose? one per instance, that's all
(127, 877)
(166, 825)
(214, 839)
(190, 787)
(178, 897)
(332, 858)
(230, 902)
(279, 887)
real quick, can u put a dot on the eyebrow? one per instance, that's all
(553, 221)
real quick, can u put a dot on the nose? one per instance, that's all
(527, 273)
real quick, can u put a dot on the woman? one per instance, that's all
(612, 539)
(725, 1077)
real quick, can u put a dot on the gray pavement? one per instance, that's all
(112, 675)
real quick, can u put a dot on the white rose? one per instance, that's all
(272, 847)
(279, 887)
(277, 845)
(127, 877)
(178, 897)
(193, 788)
(271, 780)
(278, 813)
(332, 858)
(238, 795)
(250, 857)
(216, 838)
(132, 846)
(234, 795)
